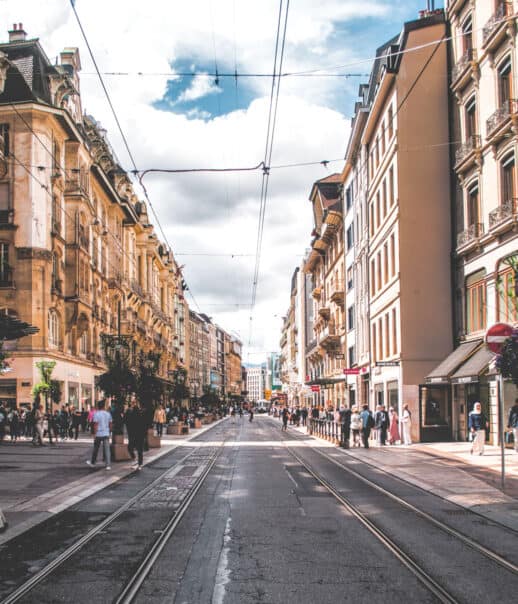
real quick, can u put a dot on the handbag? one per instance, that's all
(509, 438)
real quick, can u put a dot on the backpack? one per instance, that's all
(370, 421)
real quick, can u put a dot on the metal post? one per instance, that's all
(501, 426)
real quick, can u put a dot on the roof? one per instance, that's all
(443, 371)
(474, 366)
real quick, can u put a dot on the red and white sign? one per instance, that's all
(352, 371)
(315, 388)
(496, 335)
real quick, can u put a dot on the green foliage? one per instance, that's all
(507, 360)
(55, 391)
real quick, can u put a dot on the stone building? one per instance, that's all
(80, 257)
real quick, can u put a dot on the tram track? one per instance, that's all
(417, 569)
(164, 534)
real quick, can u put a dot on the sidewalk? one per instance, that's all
(450, 472)
(37, 482)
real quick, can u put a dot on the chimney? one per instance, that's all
(17, 34)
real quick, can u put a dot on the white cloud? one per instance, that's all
(214, 213)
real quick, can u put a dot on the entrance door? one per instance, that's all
(435, 413)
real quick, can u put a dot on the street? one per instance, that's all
(280, 517)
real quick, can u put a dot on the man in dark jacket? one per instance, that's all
(136, 425)
(513, 423)
(367, 424)
(345, 420)
(382, 423)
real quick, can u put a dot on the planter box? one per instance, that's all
(152, 440)
(119, 452)
(118, 439)
(197, 423)
(174, 429)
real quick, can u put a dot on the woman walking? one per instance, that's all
(406, 424)
(478, 424)
(393, 426)
(356, 426)
(159, 419)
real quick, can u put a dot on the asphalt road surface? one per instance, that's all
(277, 519)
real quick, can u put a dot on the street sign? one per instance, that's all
(353, 371)
(340, 356)
(496, 336)
(387, 363)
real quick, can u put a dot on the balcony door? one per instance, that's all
(508, 179)
(473, 206)
(505, 85)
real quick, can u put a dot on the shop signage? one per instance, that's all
(437, 380)
(465, 380)
(353, 371)
(387, 363)
(496, 335)
(315, 388)
(339, 355)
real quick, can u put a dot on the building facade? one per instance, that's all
(255, 383)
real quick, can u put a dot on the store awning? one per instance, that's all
(473, 367)
(442, 373)
(325, 381)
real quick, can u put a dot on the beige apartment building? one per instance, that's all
(484, 115)
(79, 256)
(325, 263)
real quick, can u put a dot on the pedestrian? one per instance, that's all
(39, 419)
(14, 425)
(477, 424)
(250, 414)
(512, 423)
(136, 425)
(367, 425)
(3, 423)
(382, 423)
(304, 415)
(75, 423)
(285, 416)
(232, 413)
(240, 412)
(159, 419)
(345, 420)
(102, 426)
(356, 426)
(393, 427)
(22, 422)
(406, 424)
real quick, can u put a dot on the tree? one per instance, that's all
(12, 328)
(149, 388)
(43, 387)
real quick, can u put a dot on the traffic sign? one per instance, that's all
(496, 335)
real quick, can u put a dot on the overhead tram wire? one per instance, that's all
(268, 154)
(124, 139)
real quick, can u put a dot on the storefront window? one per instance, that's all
(392, 393)
(435, 407)
(378, 394)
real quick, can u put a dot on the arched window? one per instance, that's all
(53, 329)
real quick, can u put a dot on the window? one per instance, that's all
(4, 140)
(378, 210)
(380, 339)
(384, 196)
(83, 343)
(373, 276)
(350, 281)
(383, 138)
(390, 122)
(351, 356)
(350, 318)
(348, 198)
(505, 82)
(4, 203)
(467, 37)
(5, 269)
(378, 272)
(387, 335)
(385, 263)
(394, 331)
(371, 218)
(473, 205)
(392, 255)
(374, 343)
(350, 237)
(53, 329)
(476, 302)
(507, 310)
(508, 178)
(471, 118)
(391, 186)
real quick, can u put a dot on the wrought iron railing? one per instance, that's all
(473, 142)
(503, 212)
(472, 233)
(463, 63)
(503, 113)
(504, 10)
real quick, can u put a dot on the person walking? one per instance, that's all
(3, 423)
(382, 424)
(406, 424)
(39, 418)
(75, 423)
(304, 416)
(393, 435)
(285, 416)
(477, 424)
(356, 426)
(102, 426)
(367, 425)
(159, 419)
(512, 423)
(251, 414)
(345, 420)
(14, 425)
(136, 425)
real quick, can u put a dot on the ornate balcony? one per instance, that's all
(504, 216)
(501, 119)
(324, 312)
(468, 151)
(338, 293)
(469, 238)
(136, 288)
(465, 68)
(329, 336)
(316, 293)
(497, 26)
(115, 281)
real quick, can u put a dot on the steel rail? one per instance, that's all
(80, 543)
(133, 586)
(425, 578)
(481, 549)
